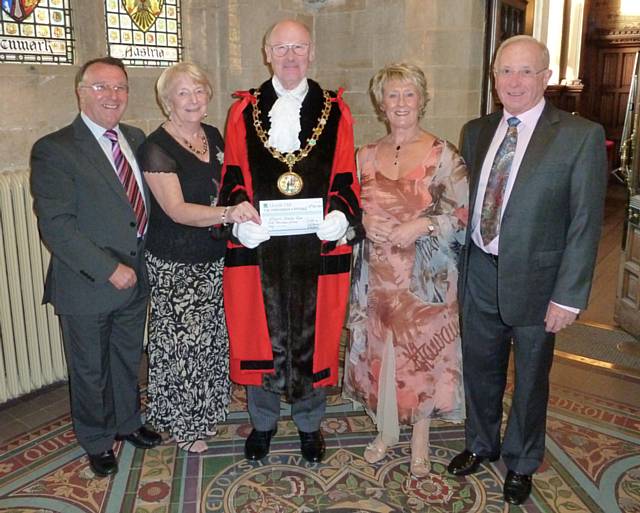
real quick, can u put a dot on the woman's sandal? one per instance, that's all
(375, 451)
(193, 446)
(420, 466)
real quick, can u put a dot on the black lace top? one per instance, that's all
(199, 180)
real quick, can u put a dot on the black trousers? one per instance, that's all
(486, 345)
(103, 354)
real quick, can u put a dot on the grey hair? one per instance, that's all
(522, 38)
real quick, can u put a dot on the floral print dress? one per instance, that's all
(404, 362)
(188, 388)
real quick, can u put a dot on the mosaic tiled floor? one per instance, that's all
(592, 465)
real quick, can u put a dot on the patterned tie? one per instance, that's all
(128, 180)
(494, 194)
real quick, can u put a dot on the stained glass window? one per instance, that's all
(36, 31)
(144, 32)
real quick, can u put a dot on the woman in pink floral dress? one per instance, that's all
(404, 360)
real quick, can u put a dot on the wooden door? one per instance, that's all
(615, 69)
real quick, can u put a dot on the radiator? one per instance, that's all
(32, 354)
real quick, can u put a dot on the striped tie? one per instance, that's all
(494, 194)
(128, 180)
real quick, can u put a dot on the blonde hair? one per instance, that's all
(404, 73)
(523, 38)
(168, 77)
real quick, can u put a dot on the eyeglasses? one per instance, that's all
(522, 73)
(300, 49)
(104, 88)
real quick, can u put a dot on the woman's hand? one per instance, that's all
(407, 233)
(241, 213)
(378, 228)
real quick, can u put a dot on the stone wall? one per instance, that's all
(354, 38)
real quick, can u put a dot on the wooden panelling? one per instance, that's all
(627, 304)
(565, 97)
(609, 74)
(628, 61)
(630, 288)
(633, 243)
(606, 108)
(613, 80)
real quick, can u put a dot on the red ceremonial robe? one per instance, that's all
(285, 300)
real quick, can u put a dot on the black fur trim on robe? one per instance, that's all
(290, 265)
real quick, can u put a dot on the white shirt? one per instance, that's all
(528, 122)
(285, 116)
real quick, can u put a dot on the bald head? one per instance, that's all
(289, 51)
(286, 25)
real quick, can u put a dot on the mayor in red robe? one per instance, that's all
(285, 299)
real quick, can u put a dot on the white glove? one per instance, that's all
(333, 227)
(250, 234)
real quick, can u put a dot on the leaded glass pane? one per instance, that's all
(144, 33)
(36, 31)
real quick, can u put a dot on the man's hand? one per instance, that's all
(557, 318)
(123, 277)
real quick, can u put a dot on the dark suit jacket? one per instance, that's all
(551, 226)
(85, 220)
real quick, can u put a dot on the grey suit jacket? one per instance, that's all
(551, 225)
(85, 220)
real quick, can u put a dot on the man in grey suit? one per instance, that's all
(89, 199)
(537, 186)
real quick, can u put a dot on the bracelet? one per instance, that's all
(223, 219)
(430, 227)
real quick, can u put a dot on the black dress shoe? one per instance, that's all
(467, 462)
(142, 438)
(312, 446)
(517, 487)
(257, 445)
(103, 464)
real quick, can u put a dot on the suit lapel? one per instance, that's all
(485, 136)
(91, 150)
(544, 133)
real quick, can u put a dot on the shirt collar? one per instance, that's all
(97, 130)
(527, 118)
(298, 92)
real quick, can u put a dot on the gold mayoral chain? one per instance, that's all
(290, 183)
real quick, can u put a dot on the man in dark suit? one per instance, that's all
(537, 186)
(89, 199)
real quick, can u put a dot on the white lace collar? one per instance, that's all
(285, 116)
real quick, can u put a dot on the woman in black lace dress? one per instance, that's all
(188, 346)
